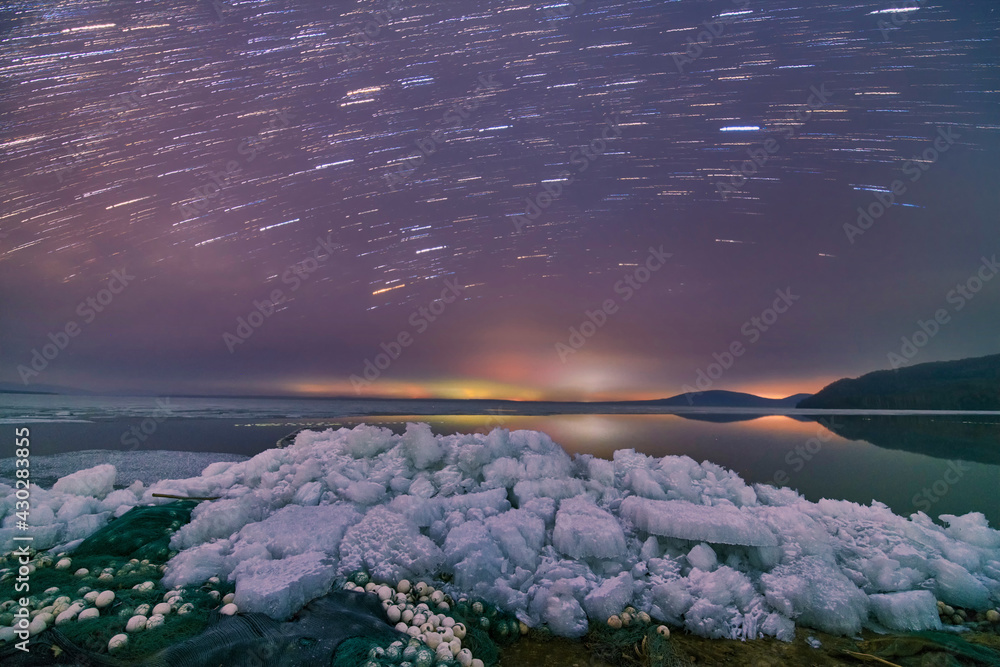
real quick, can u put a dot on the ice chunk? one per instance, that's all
(84, 525)
(557, 489)
(116, 499)
(909, 611)
(703, 557)
(97, 482)
(672, 599)
(44, 537)
(195, 566)
(361, 442)
(583, 530)
(718, 524)
(422, 512)
(389, 546)
(553, 465)
(279, 588)
(816, 594)
(504, 472)
(956, 586)
(885, 575)
(642, 483)
(708, 552)
(308, 494)
(420, 445)
(708, 620)
(364, 493)
(521, 536)
(474, 555)
(561, 611)
(494, 499)
(611, 597)
(217, 468)
(973, 529)
(76, 507)
(295, 530)
(221, 518)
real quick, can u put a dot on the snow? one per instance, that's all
(556, 540)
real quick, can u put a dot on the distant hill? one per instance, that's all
(964, 384)
(718, 398)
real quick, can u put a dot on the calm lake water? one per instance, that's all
(940, 464)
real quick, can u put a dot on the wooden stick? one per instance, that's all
(873, 657)
(167, 495)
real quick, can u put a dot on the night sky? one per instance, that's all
(182, 164)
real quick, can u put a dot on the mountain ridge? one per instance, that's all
(972, 383)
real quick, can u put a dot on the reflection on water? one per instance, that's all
(773, 449)
(966, 437)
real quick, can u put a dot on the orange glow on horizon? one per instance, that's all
(481, 389)
(784, 388)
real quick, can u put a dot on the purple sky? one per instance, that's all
(225, 155)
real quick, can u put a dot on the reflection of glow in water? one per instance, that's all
(590, 433)
(781, 423)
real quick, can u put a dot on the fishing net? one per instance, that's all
(637, 644)
(126, 558)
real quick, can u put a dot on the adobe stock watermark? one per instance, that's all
(295, 275)
(421, 320)
(939, 489)
(752, 330)
(497, 419)
(219, 180)
(713, 30)
(88, 310)
(552, 188)
(113, 108)
(219, 6)
(626, 288)
(138, 433)
(914, 168)
(957, 298)
(898, 15)
(760, 154)
(427, 146)
(804, 452)
(366, 34)
(562, 11)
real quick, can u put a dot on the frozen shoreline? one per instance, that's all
(145, 466)
(555, 540)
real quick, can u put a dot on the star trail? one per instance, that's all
(210, 147)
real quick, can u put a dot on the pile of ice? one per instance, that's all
(557, 540)
(76, 506)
